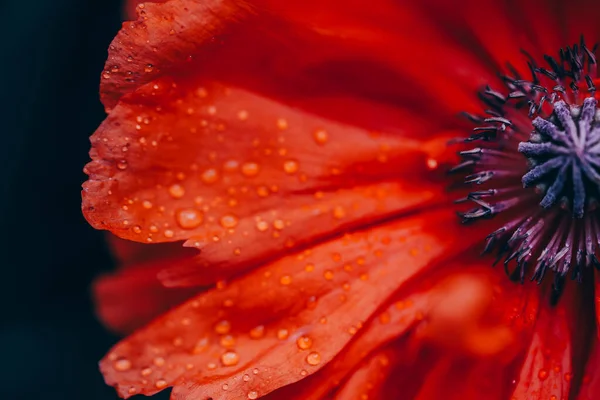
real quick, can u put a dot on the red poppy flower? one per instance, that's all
(283, 168)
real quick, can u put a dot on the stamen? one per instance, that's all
(537, 167)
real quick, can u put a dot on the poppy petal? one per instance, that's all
(249, 326)
(222, 167)
(547, 369)
(329, 47)
(134, 296)
(367, 382)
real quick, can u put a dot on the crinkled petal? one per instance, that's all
(273, 315)
(243, 177)
(322, 47)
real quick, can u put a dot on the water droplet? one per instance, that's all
(229, 221)
(252, 395)
(313, 358)
(328, 275)
(201, 345)
(176, 191)
(285, 280)
(227, 341)
(542, 374)
(282, 123)
(132, 390)
(210, 176)
(242, 115)
(137, 229)
(225, 386)
(320, 136)
(339, 212)
(160, 384)
(122, 364)
(432, 163)
(222, 327)
(122, 165)
(148, 68)
(309, 267)
(250, 169)
(257, 332)
(304, 343)
(246, 378)
(188, 218)
(262, 225)
(230, 358)
(282, 334)
(159, 361)
(311, 303)
(303, 372)
(231, 165)
(169, 233)
(290, 167)
(146, 371)
(278, 224)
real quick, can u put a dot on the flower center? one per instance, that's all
(564, 154)
(537, 168)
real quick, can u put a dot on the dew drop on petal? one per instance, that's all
(210, 176)
(257, 332)
(160, 384)
(252, 395)
(282, 334)
(230, 358)
(146, 371)
(313, 358)
(320, 136)
(176, 191)
(188, 218)
(122, 165)
(250, 169)
(122, 364)
(229, 221)
(222, 327)
(159, 361)
(304, 343)
(290, 167)
(285, 280)
(262, 226)
(339, 212)
(246, 377)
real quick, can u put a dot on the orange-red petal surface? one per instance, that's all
(272, 316)
(243, 177)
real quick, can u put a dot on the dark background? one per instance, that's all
(52, 54)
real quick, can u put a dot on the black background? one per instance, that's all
(52, 54)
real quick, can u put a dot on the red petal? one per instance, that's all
(243, 177)
(213, 341)
(368, 381)
(547, 370)
(323, 48)
(590, 386)
(133, 296)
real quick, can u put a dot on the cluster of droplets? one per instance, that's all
(537, 166)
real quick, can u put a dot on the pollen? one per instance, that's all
(535, 169)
